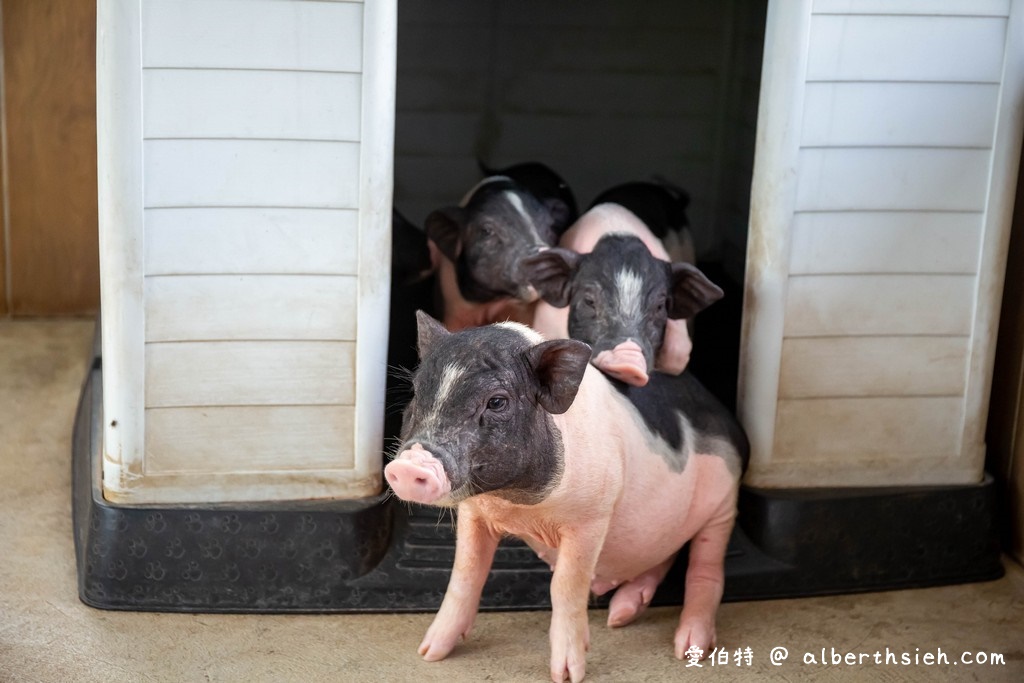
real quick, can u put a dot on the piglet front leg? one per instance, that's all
(474, 551)
(676, 346)
(705, 581)
(570, 590)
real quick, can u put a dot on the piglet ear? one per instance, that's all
(550, 272)
(691, 292)
(443, 227)
(561, 214)
(428, 332)
(558, 366)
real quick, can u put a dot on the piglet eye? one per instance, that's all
(497, 403)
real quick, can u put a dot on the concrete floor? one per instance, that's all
(46, 634)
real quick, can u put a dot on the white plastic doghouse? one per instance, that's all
(888, 145)
(246, 167)
(245, 156)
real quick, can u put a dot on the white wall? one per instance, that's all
(887, 152)
(245, 155)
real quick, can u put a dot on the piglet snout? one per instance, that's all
(625, 363)
(417, 476)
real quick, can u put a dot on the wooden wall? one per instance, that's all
(3, 212)
(1005, 436)
(48, 254)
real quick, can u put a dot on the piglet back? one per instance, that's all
(665, 397)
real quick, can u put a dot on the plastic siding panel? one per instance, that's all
(999, 8)
(868, 429)
(916, 114)
(231, 103)
(194, 241)
(265, 173)
(241, 439)
(249, 373)
(259, 307)
(820, 367)
(885, 242)
(906, 48)
(853, 305)
(878, 179)
(238, 34)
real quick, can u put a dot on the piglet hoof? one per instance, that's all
(569, 653)
(630, 601)
(635, 595)
(694, 634)
(442, 637)
(434, 648)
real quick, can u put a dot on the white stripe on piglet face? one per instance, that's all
(517, 204)
(451, 375)
(630, 289)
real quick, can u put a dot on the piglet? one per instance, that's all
(479, 246)
(673, 354)
(662, 208)
(630, 306)
(546, 185)
(605, 481)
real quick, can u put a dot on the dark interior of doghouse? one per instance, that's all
(604, 92)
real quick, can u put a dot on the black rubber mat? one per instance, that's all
(381, 555)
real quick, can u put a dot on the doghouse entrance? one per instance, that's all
(604, 93)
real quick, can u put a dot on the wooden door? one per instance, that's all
(48, 247)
